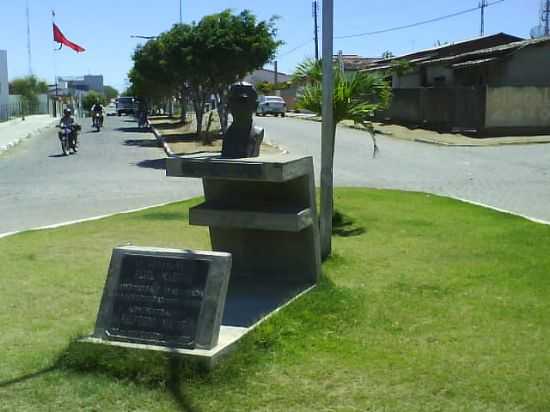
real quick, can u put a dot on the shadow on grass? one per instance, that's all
(344, 226)
(157, 164)
(148, 368)
(163, 216)
(142, 142)
(29, 376)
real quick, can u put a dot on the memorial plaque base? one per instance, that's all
(229, 336)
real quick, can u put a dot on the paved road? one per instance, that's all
(515, 178)
(117, 169)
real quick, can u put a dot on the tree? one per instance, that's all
(356, 97)
(228, 46)
(110, 92)
(196, 61)
(91, 98)
(387, 55)
(28, 88)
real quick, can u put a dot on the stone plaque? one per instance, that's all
(164, 297)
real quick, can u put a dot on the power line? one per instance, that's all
(407, 26)
(420, 23)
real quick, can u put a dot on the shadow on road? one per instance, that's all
(133, 130)
(158, 164)
(142, 142)
(58, 155)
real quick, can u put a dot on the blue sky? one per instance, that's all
(105, 29)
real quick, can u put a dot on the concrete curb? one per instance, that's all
(88, 219)
(161, 140)
(429, 141)
(497, 209)
(170, 153)
(30, 135)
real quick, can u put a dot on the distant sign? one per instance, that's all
(164, 297)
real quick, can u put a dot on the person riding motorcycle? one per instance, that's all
(68, 121)
(97, 108)
(142, 111)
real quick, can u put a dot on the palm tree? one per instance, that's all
(356, 97)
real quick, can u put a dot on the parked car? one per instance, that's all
(125, 105)
(111, 110)
(274, 105)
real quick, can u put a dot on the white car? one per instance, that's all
(274, 105)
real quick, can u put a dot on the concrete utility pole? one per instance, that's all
(483, 5)
(327, 138)
(181, 11)
(546, 17)
(316, 28)
(29, 49)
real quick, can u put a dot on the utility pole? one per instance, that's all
(181, 11)
(483, 5)
(546, 17)
(276, 66)
(316, 28)
(29, 49)
(327, 137)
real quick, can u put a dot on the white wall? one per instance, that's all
(4, 85)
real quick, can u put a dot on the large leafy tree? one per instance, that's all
(356, 97)
(229, 46)
(203, 59)
(28, 88)
(110, 92)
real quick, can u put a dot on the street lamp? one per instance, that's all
(137, 36)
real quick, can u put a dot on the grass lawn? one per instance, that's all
(427, 305)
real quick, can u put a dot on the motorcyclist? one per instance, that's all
(97, 108)
(142, 111)
(68, 121)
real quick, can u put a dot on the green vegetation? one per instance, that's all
(91, 98)
(427, 304)
(110, 92)
(28, 88)
(196, 61)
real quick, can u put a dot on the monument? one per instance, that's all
(242, 138)
(262, 217)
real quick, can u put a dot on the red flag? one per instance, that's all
(60, 38)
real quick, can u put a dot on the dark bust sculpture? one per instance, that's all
(242, 138)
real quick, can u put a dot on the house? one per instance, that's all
(4, 85)
(498, 89)
(354, 63)
(270, 76)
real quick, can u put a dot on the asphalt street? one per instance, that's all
(122, 168)
(515, 178)
(117, 169)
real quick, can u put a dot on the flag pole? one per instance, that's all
(54, 70)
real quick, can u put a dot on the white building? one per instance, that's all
(85, 83)
(4, 85)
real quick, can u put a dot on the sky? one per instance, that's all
(104, 28)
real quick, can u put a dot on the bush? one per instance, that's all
(91, 98)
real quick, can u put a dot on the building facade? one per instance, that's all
(4, 85)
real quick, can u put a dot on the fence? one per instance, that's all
(19, 108)
(461, 108)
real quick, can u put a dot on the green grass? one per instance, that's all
(428, 304)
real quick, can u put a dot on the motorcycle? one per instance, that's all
(142, 119)
(97, 120)
(68, 137)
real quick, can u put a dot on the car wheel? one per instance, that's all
(283, 114)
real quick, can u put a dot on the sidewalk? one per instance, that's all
(13, 132)
(433, 137)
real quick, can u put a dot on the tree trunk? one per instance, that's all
(222, 108)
